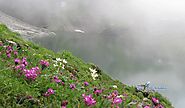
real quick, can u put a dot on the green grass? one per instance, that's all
(16, 91)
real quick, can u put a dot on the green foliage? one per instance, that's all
(17, 91)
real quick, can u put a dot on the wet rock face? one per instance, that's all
(24, 29)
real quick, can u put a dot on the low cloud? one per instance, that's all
(142, 37)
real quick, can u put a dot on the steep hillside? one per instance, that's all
(32, 77)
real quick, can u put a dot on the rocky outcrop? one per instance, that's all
(25, 30)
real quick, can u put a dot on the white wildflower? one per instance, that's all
(60, 63)
(93, 70)
(115, 86)
(55, 65)
(120, 96)
(58, 59)
(93, 73)
(132, 103)
(64, 61)
(12, 42)
(145, 99)
(54, 61)
(45, 75)
(63, 66)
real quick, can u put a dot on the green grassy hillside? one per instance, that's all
(34, 77)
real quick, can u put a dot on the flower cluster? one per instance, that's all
(17, 61)
(15, 53)
(64, 61)
(59, 62)
(155, 100)
(86, 83)
(93, 73)
(32, 73)
(97, 91)
(9, 50)
(147, 106)
(56, 79)
(49, 92)
(156, 103)
(115, 99)
(44, 64)
(21, 64)
(24, 61)
(72, 86)
(64, 104)
(89, 101)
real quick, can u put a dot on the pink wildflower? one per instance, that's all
(64, 104)
(72, 86)
(155, 100)
(30, 74)
(9, 48)
(117, 106)
(97, 92)
(44, 64)
(35, 68)
(63, 83)
(17, 67)
(115, 93)
(56, 79)
(8, 55)
(147, 106)
(29, 97)
(24, 61)
(83, 95)
(86, 83)
(22, 66)
(117, 100)
(15, 53)
(109, 97)
(89, 101)
(63, 107)
(49, 92)
(17, 61)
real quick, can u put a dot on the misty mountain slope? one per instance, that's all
(26, 30)
(135, 41)
(32, 76)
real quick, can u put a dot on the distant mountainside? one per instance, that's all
(26, 30)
